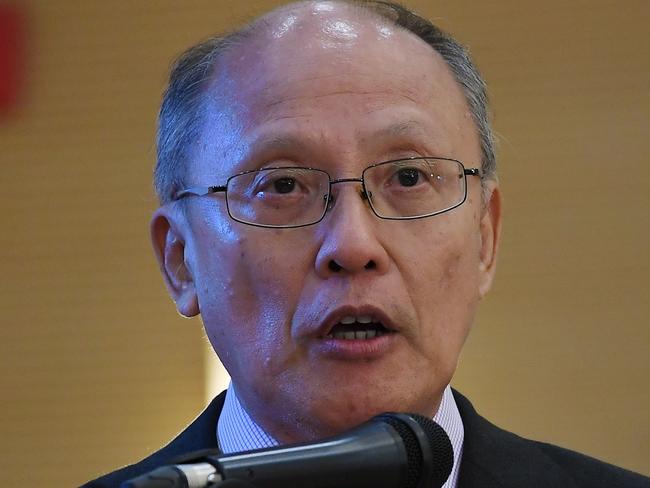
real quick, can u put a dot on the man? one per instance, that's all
(329, 205)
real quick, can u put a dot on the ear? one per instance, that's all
(490, 229)
(169, 245)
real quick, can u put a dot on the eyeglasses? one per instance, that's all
(285, 197)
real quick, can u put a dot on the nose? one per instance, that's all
(349, 238)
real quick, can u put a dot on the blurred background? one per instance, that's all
(98, 370)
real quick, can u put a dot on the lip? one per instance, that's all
(336, 315)
(354, 349)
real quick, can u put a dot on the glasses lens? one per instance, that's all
(415, 187)
(278, 197)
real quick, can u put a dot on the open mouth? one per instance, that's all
(360, 327)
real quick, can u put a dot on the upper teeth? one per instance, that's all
(356, 334)
(351, 319)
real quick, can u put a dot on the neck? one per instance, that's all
(329, 418)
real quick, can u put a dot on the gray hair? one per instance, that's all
(180, 117)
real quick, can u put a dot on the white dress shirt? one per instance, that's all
(237, 431)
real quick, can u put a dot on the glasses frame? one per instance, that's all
(201, 191)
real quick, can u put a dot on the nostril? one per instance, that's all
(370, 265)
(334, 266)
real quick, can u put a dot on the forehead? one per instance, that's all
(329, 72)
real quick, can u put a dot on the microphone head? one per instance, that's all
(430, 456)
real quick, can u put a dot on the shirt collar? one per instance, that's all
(237, 431)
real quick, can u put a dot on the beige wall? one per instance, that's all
(98, 370)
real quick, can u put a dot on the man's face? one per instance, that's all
(328, 88)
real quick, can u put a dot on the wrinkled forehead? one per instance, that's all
(332, 43)
(319, 39)
(330, 73)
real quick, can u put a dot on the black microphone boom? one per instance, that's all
(392, 450)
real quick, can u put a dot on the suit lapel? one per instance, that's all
(494, 458)
(201, 434)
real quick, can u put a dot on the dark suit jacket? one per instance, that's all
(492, 457)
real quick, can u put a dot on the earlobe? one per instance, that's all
(490, 229)
(170, 249)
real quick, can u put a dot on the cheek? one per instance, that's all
(445, 287)
(274, 280)
(248, 298)
(445, 261)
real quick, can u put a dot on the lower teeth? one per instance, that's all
(358, 335)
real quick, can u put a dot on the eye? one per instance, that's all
(277, 181)
(408, 176)
(284, 185)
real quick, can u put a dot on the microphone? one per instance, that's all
(391, 450)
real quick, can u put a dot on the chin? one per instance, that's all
(345, 410)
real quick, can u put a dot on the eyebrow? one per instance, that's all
(290, 143)
(272, 145)
(285, 142)
(408, 127)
